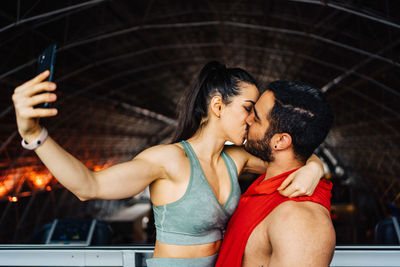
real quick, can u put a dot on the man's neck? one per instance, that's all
(282, 164)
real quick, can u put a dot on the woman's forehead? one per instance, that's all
(249, 91)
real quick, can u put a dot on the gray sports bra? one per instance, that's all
(197, 217)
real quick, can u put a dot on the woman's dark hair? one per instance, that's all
(214, 78)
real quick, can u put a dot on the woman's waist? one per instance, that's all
(163, 250)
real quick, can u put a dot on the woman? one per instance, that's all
(193, 183)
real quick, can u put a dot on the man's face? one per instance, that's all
(260, 133)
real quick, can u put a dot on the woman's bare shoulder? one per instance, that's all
(163, 153)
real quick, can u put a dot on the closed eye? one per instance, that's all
(250, 106)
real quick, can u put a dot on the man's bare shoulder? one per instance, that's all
(304, 215)
(304, 231)
(294, 210)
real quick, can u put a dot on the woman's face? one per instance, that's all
(235, 113)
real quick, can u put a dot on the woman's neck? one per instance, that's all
(207, 143)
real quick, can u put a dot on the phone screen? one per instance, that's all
(46, 61)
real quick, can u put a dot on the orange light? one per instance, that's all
(48, 188)
(3, 190)
(12, 199)
(39, 179)
(99, 167)
(11, 180)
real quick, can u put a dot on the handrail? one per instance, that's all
(131, 256)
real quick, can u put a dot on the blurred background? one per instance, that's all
(122, 67)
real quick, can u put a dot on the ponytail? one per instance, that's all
(214, 78)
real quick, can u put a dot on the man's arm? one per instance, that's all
(301, 234)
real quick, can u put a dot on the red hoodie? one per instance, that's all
(255, 204)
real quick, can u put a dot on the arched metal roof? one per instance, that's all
(122, 66)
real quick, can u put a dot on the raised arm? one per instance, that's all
(120, 181)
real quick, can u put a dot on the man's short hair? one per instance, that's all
(301, 111)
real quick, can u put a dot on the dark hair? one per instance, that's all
(214, 78)
(301, 111)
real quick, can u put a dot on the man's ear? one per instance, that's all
(216, 105)
(283, 141)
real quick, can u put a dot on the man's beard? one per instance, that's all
(261, 148)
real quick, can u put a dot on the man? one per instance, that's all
(289, 121)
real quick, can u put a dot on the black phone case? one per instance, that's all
(46, 61)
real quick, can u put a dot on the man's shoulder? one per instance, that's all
(306, 222)
(294, 211)
(304, 230)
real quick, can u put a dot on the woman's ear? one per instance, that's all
(283, 141)
(216, 105)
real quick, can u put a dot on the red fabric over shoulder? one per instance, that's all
(255, 204)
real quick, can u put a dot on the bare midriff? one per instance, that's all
(163, 250)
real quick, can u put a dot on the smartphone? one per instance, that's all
(46, 61)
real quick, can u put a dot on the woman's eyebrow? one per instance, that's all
(251, 101)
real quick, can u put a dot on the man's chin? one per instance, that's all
(247, 146)
(253, 148)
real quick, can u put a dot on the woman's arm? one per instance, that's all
(300, 183)
(303, 181)
(120, 181)
(246, 162)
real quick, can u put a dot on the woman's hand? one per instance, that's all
(28, 95)
(119, 181)
(303, 181)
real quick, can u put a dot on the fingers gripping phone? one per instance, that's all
(46, 61)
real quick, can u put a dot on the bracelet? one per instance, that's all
(37, 142)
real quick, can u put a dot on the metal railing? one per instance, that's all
(135, 256)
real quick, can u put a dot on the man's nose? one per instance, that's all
(250, 119)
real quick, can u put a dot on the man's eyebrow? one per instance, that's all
(251, 101)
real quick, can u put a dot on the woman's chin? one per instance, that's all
(240, 142)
